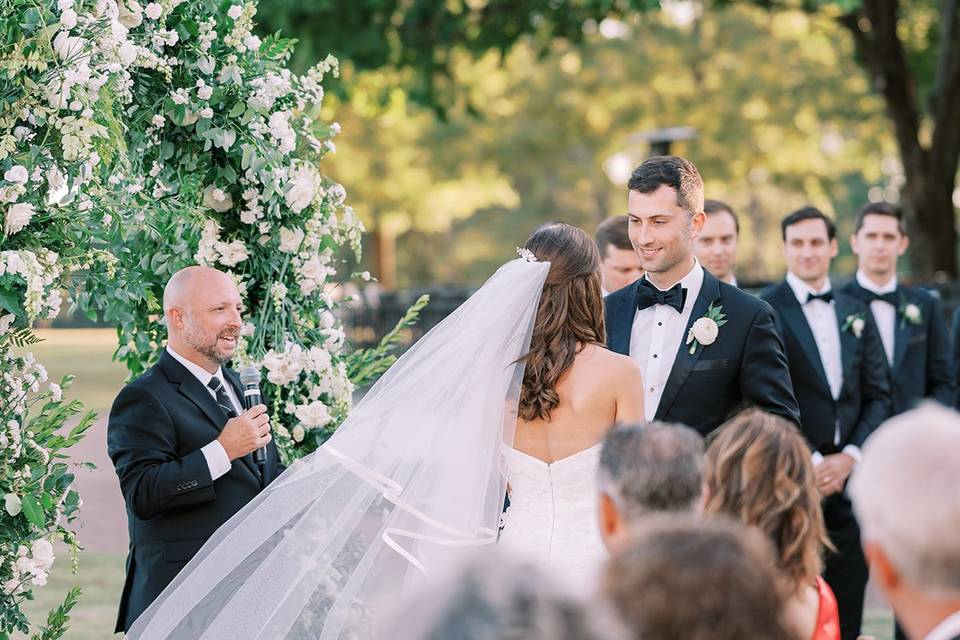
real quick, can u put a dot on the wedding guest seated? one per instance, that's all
(759, 471)
(696, 579)
(498, 596)
(645, 468)
(906, 495)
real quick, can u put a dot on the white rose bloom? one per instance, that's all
(290, 239)
(204, 92)
(216, 199)
(127, 52)
(17, 173)
(153, 10)
(42, 553)
(157, 120)
(298, 434)
(206, 112)
(235, 11)
(303, 188)
(233, 253)
(252, 42)
(69, 47)
(12, 504)
(129, 14)
(18, 216)
(912, 312)
(858, 326)
(68, 19)
(314, 414)
(56, 391)
(705, 330)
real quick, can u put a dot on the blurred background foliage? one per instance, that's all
(467, 124)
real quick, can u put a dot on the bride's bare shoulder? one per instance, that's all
(610, 365)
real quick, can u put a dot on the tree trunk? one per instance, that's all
(928, 206)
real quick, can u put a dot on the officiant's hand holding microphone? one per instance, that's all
(246, 433)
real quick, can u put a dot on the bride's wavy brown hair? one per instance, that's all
(569, 317)
(759, 471)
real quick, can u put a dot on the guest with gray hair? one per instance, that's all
(647, 468)
(906, 496)
(498, 596)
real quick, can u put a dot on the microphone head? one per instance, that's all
(250, 377)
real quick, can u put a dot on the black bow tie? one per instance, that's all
(826, 296)
(648, 295)
(891, 297)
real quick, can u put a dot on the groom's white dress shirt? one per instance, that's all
(216, 456)
(948, 629)
(656, 336)
(825, 327)
(883, 312)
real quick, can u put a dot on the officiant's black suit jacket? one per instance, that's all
(745, 366)
(864, 400)
(158, 424)
(921, 352)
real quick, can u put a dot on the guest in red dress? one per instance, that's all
(759, 471)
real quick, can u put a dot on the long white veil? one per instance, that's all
(411, 479)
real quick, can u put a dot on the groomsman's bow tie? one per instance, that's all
(648, 295)
(891, 297)
(826, 296)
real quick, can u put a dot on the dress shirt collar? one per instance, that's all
(948, 629)
(199, 372)
(868, 284)
(802, 290)
(691, 282)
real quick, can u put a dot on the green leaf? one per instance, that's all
(32, 511)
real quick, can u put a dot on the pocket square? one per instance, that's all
(711, 365)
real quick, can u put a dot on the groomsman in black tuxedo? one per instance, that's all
(706, 348)
(181, 441)
(840, 378)
(910, 320)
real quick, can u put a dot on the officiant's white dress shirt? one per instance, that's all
(656, 336)
(822, 319)
(216, 456)
(883, 312)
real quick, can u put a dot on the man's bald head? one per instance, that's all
(202, 308)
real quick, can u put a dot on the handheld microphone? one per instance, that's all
(250, 378)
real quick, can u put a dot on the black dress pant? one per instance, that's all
(845, 569)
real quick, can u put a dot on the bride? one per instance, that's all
(513, 388)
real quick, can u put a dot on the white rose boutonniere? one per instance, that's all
(706, 329)
(910, 313)
(855, 323)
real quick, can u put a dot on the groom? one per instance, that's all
(706, 348)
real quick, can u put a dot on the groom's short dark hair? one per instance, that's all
(808, 213)
(677, 173)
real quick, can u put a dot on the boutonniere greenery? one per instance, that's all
(911, 313)
(706, 329)
(855, 323)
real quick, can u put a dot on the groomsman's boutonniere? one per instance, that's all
(910, 313)
(855, 323)
(706, 329)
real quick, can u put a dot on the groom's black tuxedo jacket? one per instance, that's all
(157, 426)
(744, 366)
(864, 400)
(921, 352)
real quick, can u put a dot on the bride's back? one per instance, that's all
(573, 388)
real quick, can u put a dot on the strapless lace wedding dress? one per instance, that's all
(552, 516)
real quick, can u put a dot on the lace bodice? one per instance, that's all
(553, 513)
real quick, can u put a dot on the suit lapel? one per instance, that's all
(621, 310)
(848, 339)
(901, 332)
(684, 362)
(190, 388)
(796, 322)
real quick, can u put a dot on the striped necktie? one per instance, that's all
(222, 398)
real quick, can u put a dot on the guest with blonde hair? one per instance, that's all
(759, 471)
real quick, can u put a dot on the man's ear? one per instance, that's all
(881, 569)
(609, 516)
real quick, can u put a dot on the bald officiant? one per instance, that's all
(181, 441)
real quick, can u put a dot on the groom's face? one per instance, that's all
(661, 232)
